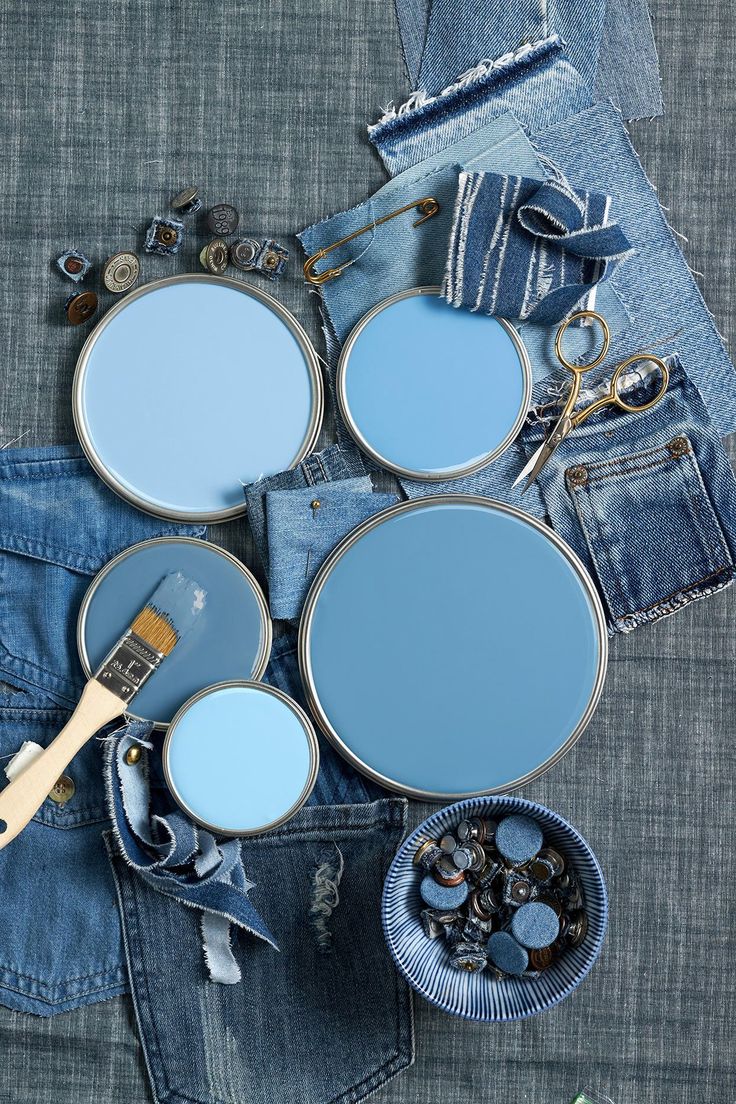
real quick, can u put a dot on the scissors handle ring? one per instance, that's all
(578, 369)
(640, 357)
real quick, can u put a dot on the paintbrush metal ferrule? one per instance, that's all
(128, 666)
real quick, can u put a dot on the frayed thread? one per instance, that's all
(326, 896)
(484, 68)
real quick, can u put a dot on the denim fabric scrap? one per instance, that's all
(177, 858)
(647, 499)
(302, 530)
(521, 250)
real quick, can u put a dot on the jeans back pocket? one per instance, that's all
(326, 1018)
(651, 529)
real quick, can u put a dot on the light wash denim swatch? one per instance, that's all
(303, 527)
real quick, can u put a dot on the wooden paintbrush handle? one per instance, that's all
(25, 795)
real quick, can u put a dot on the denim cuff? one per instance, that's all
(647, 500)
(332, 463)
(303, 527)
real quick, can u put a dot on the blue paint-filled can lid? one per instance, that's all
(192, 387)
(431, 392)
(452, 646)
(230, 640)
(240, 758)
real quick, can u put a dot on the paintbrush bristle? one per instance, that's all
(170, 612)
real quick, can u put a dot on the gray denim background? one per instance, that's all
(110, 110)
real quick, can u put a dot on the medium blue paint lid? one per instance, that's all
(240, 758)
(452, 646)
(231, 639)
(191, 388)
(429, 391)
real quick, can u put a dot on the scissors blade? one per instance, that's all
(529, 465)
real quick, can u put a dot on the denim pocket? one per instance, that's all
(326, 1019)
(58, 526)
(647, 500)
(658, 496)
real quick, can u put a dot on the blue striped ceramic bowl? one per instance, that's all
(425, 963)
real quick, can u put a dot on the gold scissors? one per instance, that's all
(569, 421)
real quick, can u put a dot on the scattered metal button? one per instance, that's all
(427, 855)
(541, 957)
(80, 306)
(133, 755)
(74, 265)
(214, 256)
(243, 253)
(272, 260)
(63, 790)
(448, 843)
(517, 890)
(222, 219)
(120, 272)
(187, 201)
(462, 857)
(577, 928)
(164, 236)
(469, 957)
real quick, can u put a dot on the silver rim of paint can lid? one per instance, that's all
(80, 421)
(264, 651)
(409, 473)
(311, 741)
(313, 597)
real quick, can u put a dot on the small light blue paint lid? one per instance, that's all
(240, 758)
(231, 639)
(452, 646)
(192, 387)
(432, 392)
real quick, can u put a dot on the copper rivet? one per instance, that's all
(315, 504)
(679, 446)
(578, 476)
(132, 755)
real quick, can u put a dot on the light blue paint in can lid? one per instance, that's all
(240, 758)
(192, 387)
(431, 392)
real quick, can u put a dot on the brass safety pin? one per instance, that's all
(426, 207)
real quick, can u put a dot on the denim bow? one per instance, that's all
(525, 250)
(179, 859)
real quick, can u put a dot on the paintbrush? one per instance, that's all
(168, 614)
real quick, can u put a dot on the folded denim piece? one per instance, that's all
(301, 535)
(336, 462)
(179, 860)
(458, 35)
(521, 250)
(59, 525)
(647, 500)
(588, 142)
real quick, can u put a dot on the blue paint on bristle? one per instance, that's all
(180, 600)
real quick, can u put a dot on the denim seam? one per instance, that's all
(38, 981)
(324, 826)
(622, 471)
(629, 456)
(683, 590)
(31, 672)
(116, 988)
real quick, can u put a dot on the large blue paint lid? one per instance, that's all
(452, 646)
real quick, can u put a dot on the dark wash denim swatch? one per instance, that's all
(60, 944)
(438, 35)
(647, 500)
(589, 144)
